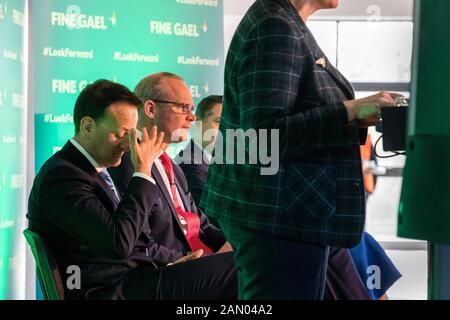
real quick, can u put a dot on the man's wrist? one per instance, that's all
(144, 176)
(144, 170)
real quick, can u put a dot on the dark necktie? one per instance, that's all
(192, 219)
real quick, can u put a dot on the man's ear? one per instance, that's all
(149, 108)
(87, 126)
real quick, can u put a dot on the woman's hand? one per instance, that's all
(368, 110)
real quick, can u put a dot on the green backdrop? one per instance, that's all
(71, 44)
(77, 42)
(12, 150)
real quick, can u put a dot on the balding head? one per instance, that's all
(151, 87)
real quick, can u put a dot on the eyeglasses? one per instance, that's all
(186, 108)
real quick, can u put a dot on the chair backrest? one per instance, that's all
(47, 269)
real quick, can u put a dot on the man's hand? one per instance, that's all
(190, 256)
(143, 154)
(225, 248)
(368, 110)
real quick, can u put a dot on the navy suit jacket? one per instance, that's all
(168, 242)
(84, 224)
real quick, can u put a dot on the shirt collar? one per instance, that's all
(87, 155)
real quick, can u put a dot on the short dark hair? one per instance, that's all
(206, 105)
(149, 88)
(97, 97)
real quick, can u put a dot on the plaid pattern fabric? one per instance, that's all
(277, 77)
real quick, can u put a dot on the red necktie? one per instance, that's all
(192, 219)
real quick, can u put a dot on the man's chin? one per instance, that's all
(116, 163)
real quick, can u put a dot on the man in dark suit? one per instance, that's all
(278, 79)
(195, 159)
(177, 226)
(75, 206)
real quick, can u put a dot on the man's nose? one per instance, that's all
(191, 116)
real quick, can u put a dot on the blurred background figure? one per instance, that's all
(196, 157)
(369, 257)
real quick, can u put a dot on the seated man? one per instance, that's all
(177, 226)
(76, 208)
(168, 104)
(196, 157)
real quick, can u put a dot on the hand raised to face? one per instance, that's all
(143, 154)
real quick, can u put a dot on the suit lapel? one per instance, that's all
(340, 81)
(162, 187)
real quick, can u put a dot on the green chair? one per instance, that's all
(47, 269)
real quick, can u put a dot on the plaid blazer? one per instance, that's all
(277, 77)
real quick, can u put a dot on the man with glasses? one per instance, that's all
(177, 226)
(75, 207)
